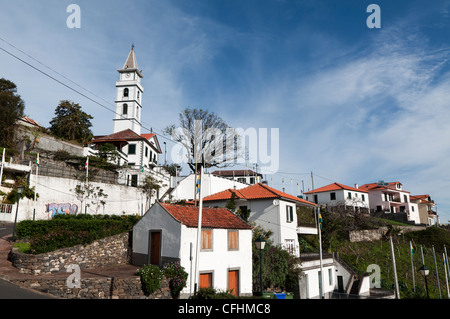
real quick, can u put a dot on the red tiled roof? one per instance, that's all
(256, 191)
(148, 135)
(122, 136)
(211, 217)
(334, 187)
(31, 121)
(390, 186)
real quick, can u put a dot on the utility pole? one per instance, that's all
(437, 276)
(397, 291)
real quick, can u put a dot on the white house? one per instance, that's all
(184, 188)
(168, 232)
(246, 176)
(391, 198)
(267, 207)
(426, 213)
(336, 194)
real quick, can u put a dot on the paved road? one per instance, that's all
(11, 291)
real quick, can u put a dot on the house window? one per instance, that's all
(252, 180)
(125, 109)
(405, 198)
(349, 195)
(206, 280)
(333, 196)
(289, 214)
(412, 208)
(132, 149)
(125, 92)
(233, 239)
(241, 179)
(330, 277)
(146, 151)
(289, 245)
(207, 239)
(363, 197)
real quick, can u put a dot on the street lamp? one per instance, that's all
(260, 243)
(19, 192)
(425, 272)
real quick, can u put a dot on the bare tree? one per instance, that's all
(206, 138)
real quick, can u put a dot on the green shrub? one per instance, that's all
(212, 293)
(151, 277)
(70, 230)
(177, 277)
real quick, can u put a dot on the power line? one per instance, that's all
(71, 88)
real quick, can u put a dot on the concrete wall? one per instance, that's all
(56, 195)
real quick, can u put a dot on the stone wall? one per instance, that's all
(110, 251)
(95, 288)
(378, 234)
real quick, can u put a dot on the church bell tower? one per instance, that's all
(129, 96)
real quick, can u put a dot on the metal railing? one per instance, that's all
(5, 208)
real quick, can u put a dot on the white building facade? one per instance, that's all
(267, 207)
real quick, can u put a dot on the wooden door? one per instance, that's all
(155, 248)
(233, 282)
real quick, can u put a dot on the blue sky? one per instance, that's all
(352, 104)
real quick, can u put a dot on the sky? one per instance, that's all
(352, 104)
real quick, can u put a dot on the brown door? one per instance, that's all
(155, 248)
(233, 282)
(206, 280)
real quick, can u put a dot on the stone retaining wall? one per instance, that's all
(98, 288)
(378, 234)
(110, 251)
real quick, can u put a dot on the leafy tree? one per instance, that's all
(172, 169)
(203, 135)
(11, 109)
(109, 152)
(150, 186)
(71, 123)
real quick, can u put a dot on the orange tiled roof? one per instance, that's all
(334, 187)
(211, 217)
(256, 191)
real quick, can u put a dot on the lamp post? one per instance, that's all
(19, 192)
(425, 272)
(260, 243)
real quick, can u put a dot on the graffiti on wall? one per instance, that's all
(67, 208)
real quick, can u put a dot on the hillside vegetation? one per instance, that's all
(359, 255)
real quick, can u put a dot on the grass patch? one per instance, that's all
(23, 247)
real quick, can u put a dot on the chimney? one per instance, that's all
(356, 186)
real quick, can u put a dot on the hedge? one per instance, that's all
(70, 230)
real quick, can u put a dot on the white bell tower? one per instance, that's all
(129, 96)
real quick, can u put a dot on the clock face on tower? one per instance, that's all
(127, 75)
